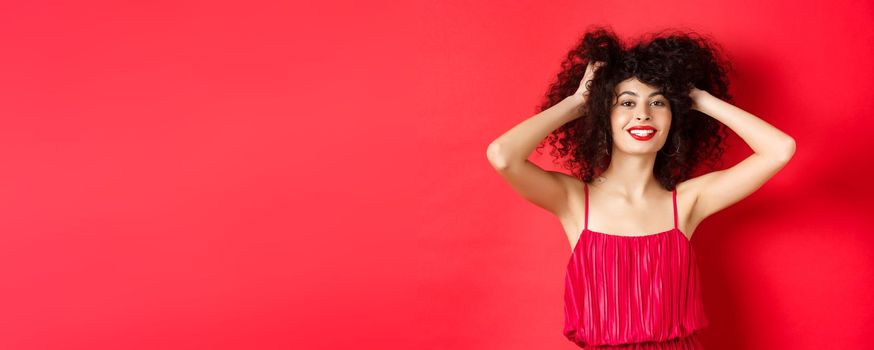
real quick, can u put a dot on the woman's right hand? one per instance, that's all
(585, 83)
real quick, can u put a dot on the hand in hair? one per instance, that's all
(585, 83)
(696, 94)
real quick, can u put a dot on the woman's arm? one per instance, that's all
(508, 153)
(514, 146)
(773, 149)
(763, 138)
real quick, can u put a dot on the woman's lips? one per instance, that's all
(645, 137)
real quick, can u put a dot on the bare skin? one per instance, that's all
(630, 201)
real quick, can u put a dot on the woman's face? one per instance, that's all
(642, 107)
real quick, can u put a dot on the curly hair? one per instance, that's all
(670, 60)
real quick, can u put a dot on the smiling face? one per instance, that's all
(642, 108)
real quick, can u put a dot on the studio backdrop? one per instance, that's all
(313, 175)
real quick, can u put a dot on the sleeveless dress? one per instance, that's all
(633, 292)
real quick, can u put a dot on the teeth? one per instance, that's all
(642, 132)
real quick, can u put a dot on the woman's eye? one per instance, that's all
(629, 103)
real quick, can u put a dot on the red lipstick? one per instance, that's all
(643, 132)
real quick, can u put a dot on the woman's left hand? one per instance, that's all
(696, 95)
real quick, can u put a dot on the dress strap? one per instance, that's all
(586, 189)
(675, 207)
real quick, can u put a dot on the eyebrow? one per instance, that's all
(633, 94)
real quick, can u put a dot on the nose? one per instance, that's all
(643, 117)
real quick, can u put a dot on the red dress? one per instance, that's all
(633, 292)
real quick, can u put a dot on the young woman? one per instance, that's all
(634, 125)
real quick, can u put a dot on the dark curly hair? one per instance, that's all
(671, 60)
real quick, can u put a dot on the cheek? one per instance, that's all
(617, 127)
(619, 121)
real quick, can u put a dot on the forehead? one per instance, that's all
(635, 86)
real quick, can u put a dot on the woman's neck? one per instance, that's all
(630, 175)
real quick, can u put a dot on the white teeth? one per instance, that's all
(642, 132)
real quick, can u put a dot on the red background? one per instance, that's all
(275, 175)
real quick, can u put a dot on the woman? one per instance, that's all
(634, 125)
